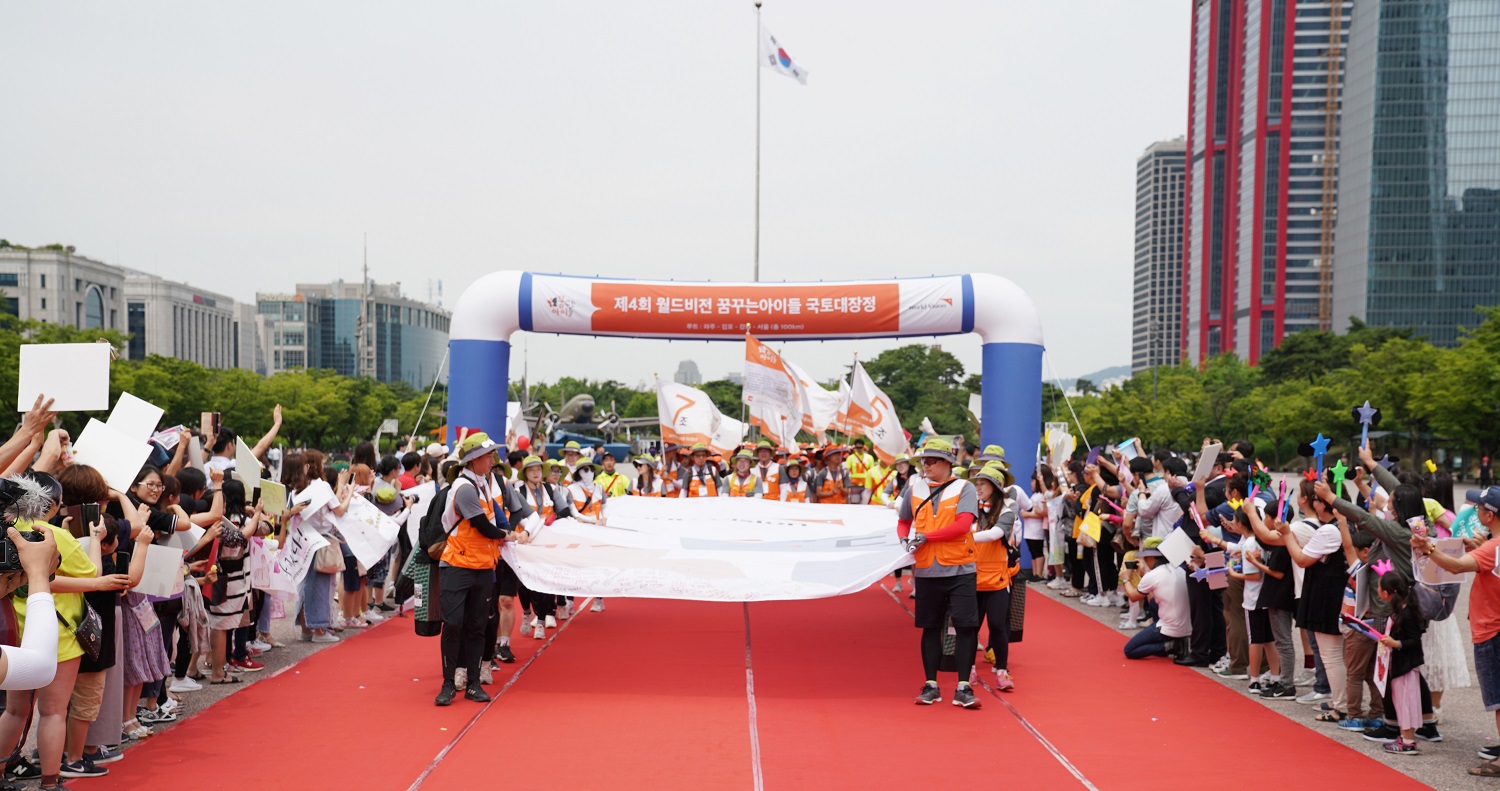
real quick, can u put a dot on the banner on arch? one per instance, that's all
(667, 309)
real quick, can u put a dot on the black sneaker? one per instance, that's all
(83, 767)
(477, 694)
(104, 755)
(1429, 732)
(930, 695)
(1490, 753)
(21, 769)
(503, 653)
(964, 696)
(445, 695)
(1278, 691)
(1385, 734)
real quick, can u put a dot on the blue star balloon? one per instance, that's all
(1319, 448)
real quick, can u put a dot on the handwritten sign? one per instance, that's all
(368, 533)
(296, 558)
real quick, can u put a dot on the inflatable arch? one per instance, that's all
(994, 308)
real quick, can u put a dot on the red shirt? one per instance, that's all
(406, 481)
(1484, 597)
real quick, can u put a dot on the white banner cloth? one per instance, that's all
(713, 549)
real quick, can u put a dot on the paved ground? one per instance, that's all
(1464, 723)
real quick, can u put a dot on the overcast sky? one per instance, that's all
(246, 147)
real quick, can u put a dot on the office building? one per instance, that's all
(57, 286)
(1418, 231)
(370, 330)
(250, 329)
(687, 374)
(1266, 77)
(173, 319)
(1156, 329)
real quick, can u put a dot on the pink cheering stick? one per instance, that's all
(1281, 503)
(1193, 509)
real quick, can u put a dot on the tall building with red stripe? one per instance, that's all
(1266, 79)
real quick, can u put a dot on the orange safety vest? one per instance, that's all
(993, 563)
(827, 488)
(707, 486)
(796, 490)
(467, 548)
(654, 480)
(738, 488)
(535, 496)
(940, 512)
(588, 503)
(770, 475)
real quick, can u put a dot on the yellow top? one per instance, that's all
(76, 564)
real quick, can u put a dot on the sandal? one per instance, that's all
(1486, 769)
(1329, 716)
(227, 680)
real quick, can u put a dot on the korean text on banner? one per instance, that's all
(709, 549)
(74, 375)
(768, 383)
(643, 308)
(871, 415)
(367, 531)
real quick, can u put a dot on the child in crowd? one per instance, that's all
(1404, 639)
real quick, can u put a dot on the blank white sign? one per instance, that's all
(74, 375)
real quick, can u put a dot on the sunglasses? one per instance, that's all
(930, 460)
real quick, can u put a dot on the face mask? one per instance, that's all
(586, 475)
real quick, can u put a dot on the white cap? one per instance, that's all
(437, 449)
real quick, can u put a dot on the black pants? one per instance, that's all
(994, 607)
(1083, 577)
(940, 599)
(491, 624)
(1206, 608)
(466, 594)
(1108, 566)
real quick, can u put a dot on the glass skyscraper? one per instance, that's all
(1418, 232)
(318, 327)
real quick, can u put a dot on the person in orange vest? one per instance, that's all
(743, 482)
(671, 468)
(859, 465)
(647, 483)
(769, 470)
(474, 520)
(698, 478)
(572, 452)
(831, 482)
(935, 517)
(542, 490)
(997, 562)
(588, 497)
(794, 486)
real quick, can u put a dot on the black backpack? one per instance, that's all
(431, 530)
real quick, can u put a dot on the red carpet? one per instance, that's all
(652, 694)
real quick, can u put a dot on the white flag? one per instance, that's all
(774, 57)
(819, 407)
(688, 416)
(770, 390)
(871, 415)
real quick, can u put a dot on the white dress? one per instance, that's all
(1444, 655)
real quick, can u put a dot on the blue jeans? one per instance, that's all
(1147, 643)
(1487, 668)
(317, 600)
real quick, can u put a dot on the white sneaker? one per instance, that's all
(538, 632)
(551, 622)
(256, 645)
(563, 613)
(1116, 599)
(1305, 679)
(325, 638)
(1057, 584)
(372, 617)
(486, 676)
(1310, 697)
(180, 685)
(1127, 623)
(598, 606)
(460, 677)
(1098, 601)
(897, 588)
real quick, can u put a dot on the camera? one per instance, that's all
(10, 559)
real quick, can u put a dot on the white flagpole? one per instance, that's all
(758, 67)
